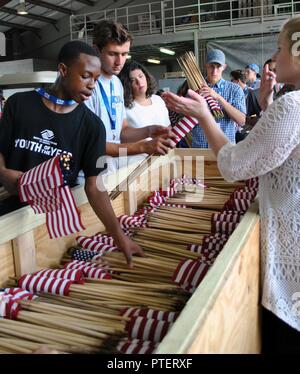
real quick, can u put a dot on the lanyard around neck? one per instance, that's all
(54, 99)
(110, 107)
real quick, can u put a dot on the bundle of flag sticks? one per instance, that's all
(62, 327)
(214, 199)
(196, 81)
(92, 319)
(219, 182)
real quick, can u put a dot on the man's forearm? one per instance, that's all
(99, 200)
(131, 134)
(113, 149)
(235, 114)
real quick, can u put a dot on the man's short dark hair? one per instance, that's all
(238, 75)
(72, 50)
(107, 31)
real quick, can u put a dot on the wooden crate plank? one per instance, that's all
(237, 311)
(7, 268)
(50, 251)
(23, 220)
(189, 333)
(24, 254)
(130, 198)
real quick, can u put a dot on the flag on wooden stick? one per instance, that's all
(44, 188)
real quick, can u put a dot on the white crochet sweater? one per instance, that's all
(271, 151)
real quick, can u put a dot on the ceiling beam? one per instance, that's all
(86, 2)
(44, 4)
(29, 16)
(18, 26)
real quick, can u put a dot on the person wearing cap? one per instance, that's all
(229, 95)
(252, 75)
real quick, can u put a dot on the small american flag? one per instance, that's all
(214, 106)
(252, 183)
(214, 242)
(189, 273)
(183, 127)
(55, 286)
(136, 346)
(81, 254)
(90, 270)
(132, 221)
(147, 328)
(150, 313)
(44, 188)
(224, 227)
(12, 298)
(93, 245)
(75, 275)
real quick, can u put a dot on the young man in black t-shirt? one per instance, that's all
(38, 125)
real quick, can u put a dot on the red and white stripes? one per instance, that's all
(90, 270)
(189, 274)
(10, 301)
(39, 180)
(136, 346)
(66, 220)
(75, 275)
(136, 220)
(150, 313)
(147, 328)
(225, 222)
(43, 188)
(55, 286)
(93, 245)
(183, 127)
(214, 106)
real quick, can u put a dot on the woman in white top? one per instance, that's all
(143, 107)
(271, 152)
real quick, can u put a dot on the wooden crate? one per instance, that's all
(222, 316)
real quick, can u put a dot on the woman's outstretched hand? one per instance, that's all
(194, 105)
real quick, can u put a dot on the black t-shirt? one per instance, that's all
(30, 133)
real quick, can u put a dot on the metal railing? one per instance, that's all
(163, 17)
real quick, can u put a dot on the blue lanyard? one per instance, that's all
(111, 109)
(53, 99)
